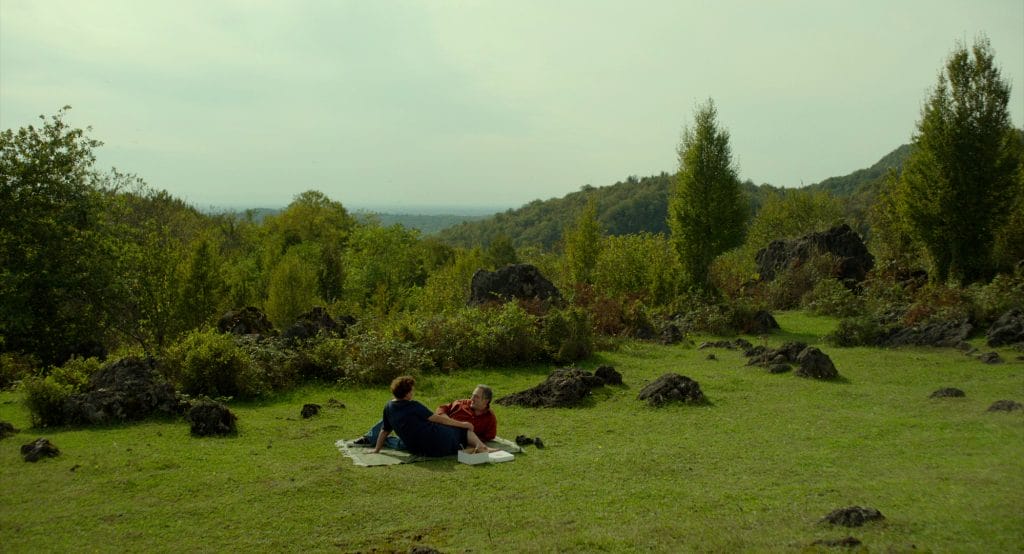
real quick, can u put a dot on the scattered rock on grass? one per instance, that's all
(990, 358)
(7, 429)
(1005, 406)
(1008, 329)
(779, 368)
(566, 386)
(672, 387)
(211, 418)
(310, 410)
(948, 392)
(608, 374)
(335, 403)
(39, 448)
(128, 389)
(815, 364)
(852, 516)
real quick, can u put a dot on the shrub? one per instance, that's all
(830, 297)
(451, 340)
(44, 398)
(277, 365)
(711, 318)
(1003, 293)
(320, 359)
(938, 302)
(508, 335)
(856, 331)
(372, 358)
(566, 335)
(209, 363)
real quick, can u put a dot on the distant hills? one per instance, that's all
(640, 205)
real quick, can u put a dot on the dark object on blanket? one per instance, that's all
(211, 418)
(672, 387)
(39, 448)
(310, 410)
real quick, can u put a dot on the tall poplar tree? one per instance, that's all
(961, 177)
(583, 245)
(706, 212)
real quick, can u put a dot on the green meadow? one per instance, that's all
(753, 470)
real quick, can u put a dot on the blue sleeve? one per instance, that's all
(387, 422)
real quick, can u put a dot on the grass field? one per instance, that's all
(752, 471)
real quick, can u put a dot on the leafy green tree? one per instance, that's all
(201, 293)
(707, 210)
(583, 245)
(52, 269)
(384, 265)
(793, 213)
(962, 172)
(500, 252)
(293, 287)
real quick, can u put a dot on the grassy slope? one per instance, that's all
(752, 471)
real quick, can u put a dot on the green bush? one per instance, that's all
(830, 297)
(937, 303)
(205, 362)
(320, 359)
(856, 331)
(276, 364)
(44, 398)
(567, 335)
(373, 358)
(452, 340)
(1003, 293)
(508, 335)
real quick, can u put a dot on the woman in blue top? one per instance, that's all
(424, 432)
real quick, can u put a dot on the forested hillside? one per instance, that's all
(640, 205)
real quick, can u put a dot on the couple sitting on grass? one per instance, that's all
(452, 427)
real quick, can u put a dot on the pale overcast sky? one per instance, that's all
(480, 103)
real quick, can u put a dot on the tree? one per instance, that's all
(583, 245)
(962, 173)
(52, 268)
(706, 209)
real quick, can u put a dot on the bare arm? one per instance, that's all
(381, 437)
(445, 420)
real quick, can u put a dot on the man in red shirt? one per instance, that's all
(475, 409)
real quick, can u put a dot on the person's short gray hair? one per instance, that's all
(488, 393)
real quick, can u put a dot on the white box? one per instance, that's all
(484, 457)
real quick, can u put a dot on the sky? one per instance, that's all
(435, 105)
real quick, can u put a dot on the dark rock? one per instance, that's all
(1008, 329)
(716, 344)
(211, 418)
(948, 392)
(847, 542)
(671, 334)
(420, 549)
(310, 410)
(779, 368)
(942, 334)
(564, 387)
(852, 516)
(39, 448)
(815, 364)
(608, 374)
(7, 429)
(335, 403)
(711, 356)
(128, 389)
(672, 387)
(764, 356)
(742, 344)
(247, 321)
(518, 281)
(316, 322)
(761, 323)
(1005, 406)
(854, 260)
(990, 358)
